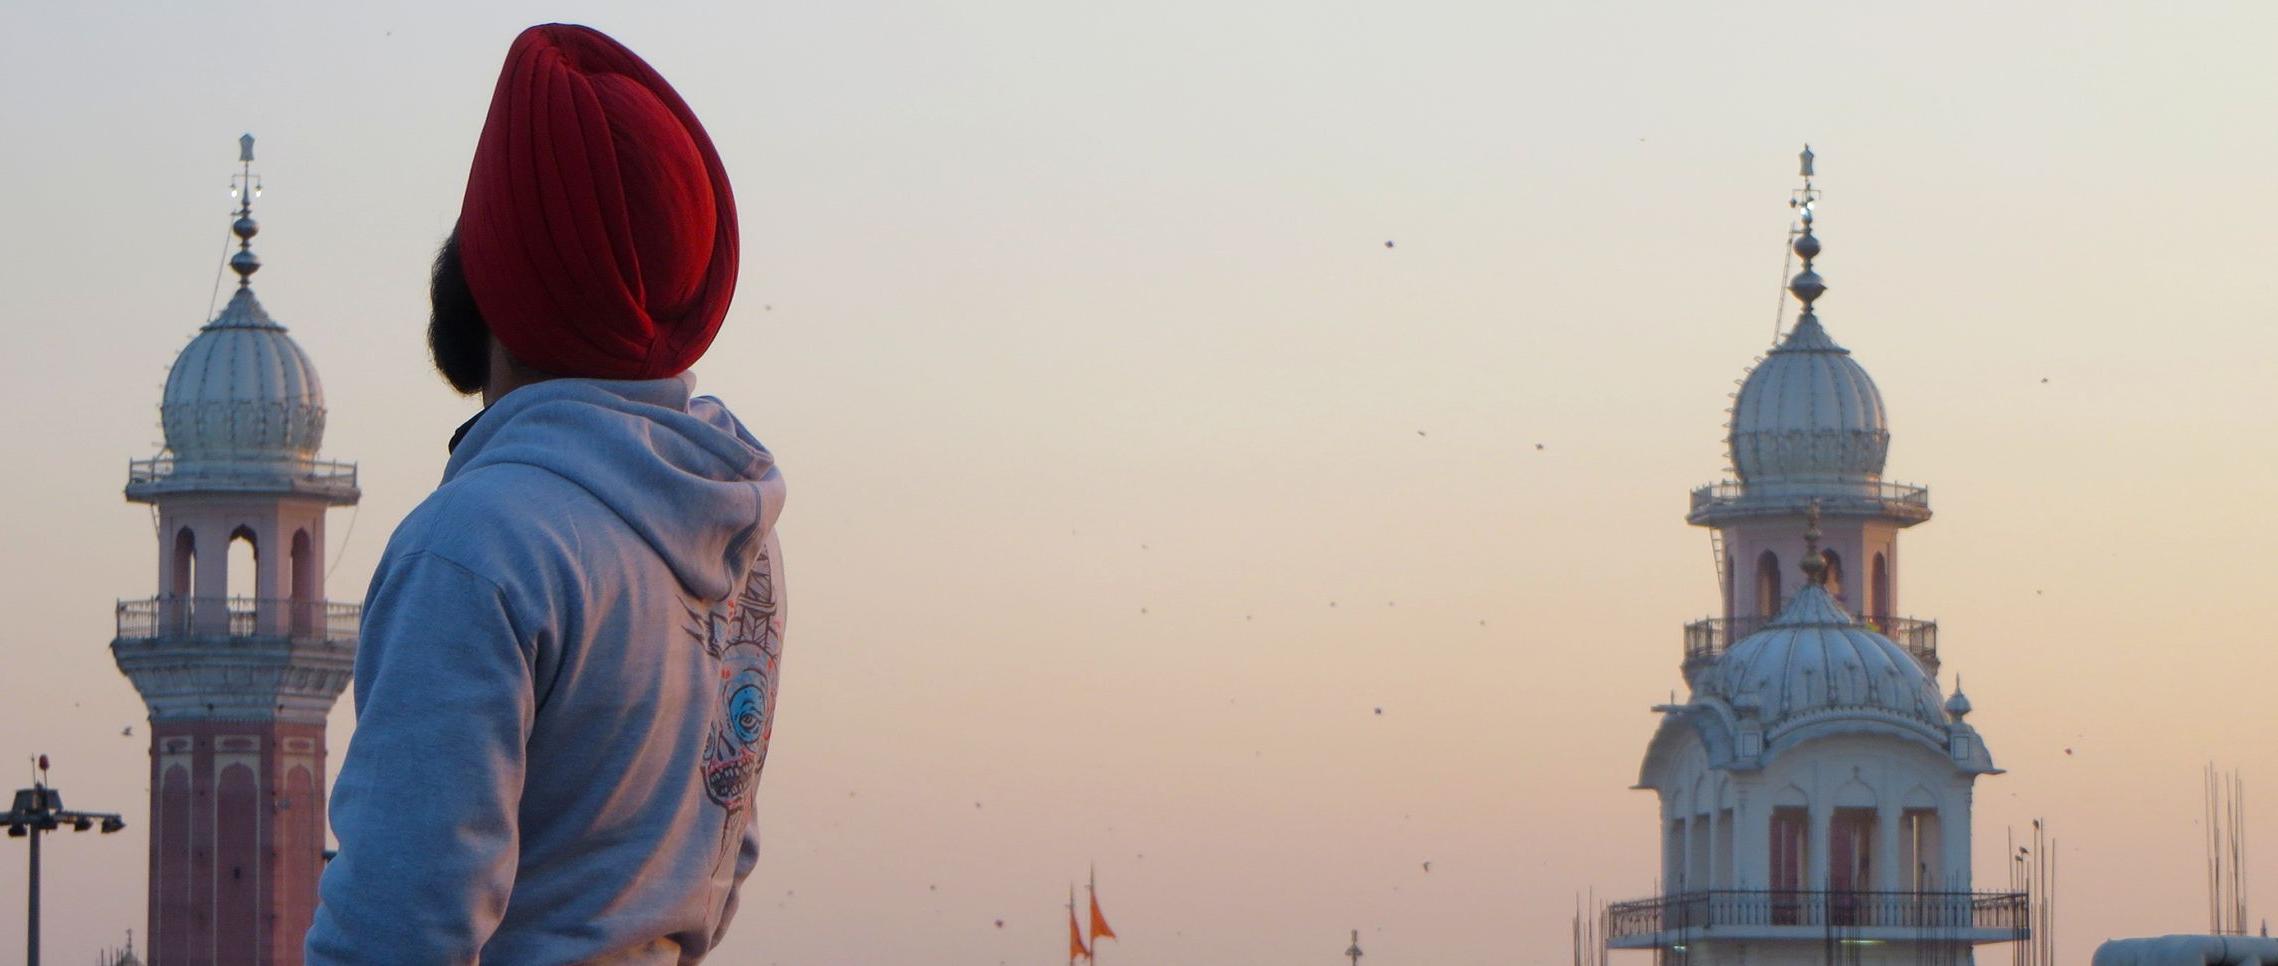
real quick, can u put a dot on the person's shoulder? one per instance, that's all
(504, 522)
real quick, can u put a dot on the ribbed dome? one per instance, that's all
(243, 391)
(1813, 657)
(1808, 412)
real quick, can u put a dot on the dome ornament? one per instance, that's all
(1807, 286)
(1814, 562)
(245, 186)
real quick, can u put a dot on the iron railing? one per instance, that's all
(1709, 638)
(1928, 911)
(1904, 494)
(164, 468)
(230, 617)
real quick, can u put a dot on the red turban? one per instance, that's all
(598, 233)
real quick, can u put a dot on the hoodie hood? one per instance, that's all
(677, 468)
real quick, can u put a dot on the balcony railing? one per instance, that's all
(1707, 639)
(1732, 492)
(229, 617)
(165, 468)
(1947, 912)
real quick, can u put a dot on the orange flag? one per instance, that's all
(1099, 922)
(1076, 948)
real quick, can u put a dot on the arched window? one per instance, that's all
(1723, 850)
(241, 569)
(1790, 861)
(1851, 857)
(185, 573)
(1673, 859)
(1921, 849)
(181, 584)
(1767, 584)
(1878, 590)
(243, 563)
(304, 584)
(1834, 574)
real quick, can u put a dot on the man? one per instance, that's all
(567, 677)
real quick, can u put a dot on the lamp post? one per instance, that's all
(37, 811)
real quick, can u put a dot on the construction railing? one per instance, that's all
(1708, 638)
(187, 617)
(309, 470)
(1930, 911)
(1905, 494)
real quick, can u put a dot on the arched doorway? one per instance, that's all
(1878, 590)
(1767, 584)
(241, 569)
(305, 574)
(182, 583)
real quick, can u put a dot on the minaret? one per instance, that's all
(1815, 784)
(1808, 424)
(238, 682)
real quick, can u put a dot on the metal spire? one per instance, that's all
(245, 186)
(1807, 285)
(1814, 562)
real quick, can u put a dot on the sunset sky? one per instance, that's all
(1131, 472)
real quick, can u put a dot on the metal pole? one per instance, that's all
(32, 931)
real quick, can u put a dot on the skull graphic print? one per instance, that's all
(745, 638)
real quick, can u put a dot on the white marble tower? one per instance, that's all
(238, 686)
(1815, 785)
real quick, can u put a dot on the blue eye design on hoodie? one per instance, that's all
(747, 711)
(745, 637)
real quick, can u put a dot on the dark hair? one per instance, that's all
(457, 336)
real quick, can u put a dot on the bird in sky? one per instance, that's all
(127, 731)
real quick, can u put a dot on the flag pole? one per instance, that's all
(1091, 892)
(1078, 936)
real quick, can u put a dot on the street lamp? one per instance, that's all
(39, 810)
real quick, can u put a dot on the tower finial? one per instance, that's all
(245, 187)
(1807, 285)
(1814, 562)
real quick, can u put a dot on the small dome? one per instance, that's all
(1813, 657)
(1808, 413)
(243, 391)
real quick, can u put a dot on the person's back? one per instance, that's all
(559, 613)
(566, 681)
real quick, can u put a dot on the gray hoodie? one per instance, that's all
(564, 690)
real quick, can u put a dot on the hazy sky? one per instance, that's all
(1100, 394)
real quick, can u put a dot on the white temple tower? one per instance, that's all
(1815, 785)
(238, 686)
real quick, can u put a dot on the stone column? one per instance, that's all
(1685, 877)
(1751, 845)
(1817, 856)
(1889, 863)
(1955, 830)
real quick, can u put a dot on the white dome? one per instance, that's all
(1808, 412)
(1814, 658)
(243, 391)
